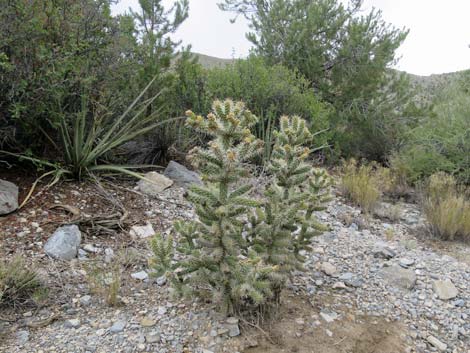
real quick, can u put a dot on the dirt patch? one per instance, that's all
(299, 329)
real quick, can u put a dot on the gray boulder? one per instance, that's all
(8, 197)
(181, 175)
(383, 251)
(64, 243)
(399, 277)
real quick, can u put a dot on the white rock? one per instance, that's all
(436, 343)
(90, 248)
(117, 327)
(141, 275)
(329, 317)
(154, 183)
(328, 268)
(142, 231)
(161, 310)
(445, 290)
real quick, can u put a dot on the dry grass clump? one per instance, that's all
(106, 281)
(361, 184)
(19, 286)
(447, 207)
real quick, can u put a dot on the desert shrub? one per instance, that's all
(270, 91)
(345, 52)
(19, 285)
(447, 207)
(86, 144)
(360, 184)
(61, 60)
(106, 280)
(441, 142)
(240, 250)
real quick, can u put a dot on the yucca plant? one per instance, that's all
(86, 142)
(19, 285)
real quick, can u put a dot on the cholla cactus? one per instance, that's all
(285, 223)
(223, 257)
(216, 257)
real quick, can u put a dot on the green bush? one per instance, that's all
(93, 135)
(240, 250)
(60, 60)
(271, 91)
(441, 142)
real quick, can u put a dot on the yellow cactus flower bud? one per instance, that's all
(231, 156)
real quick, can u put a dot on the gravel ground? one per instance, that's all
(373, 268)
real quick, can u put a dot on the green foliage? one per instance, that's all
(66, 64)
(243, 265)
(345, 55)
(447, 207)
(270, 90)
(86, 145)
(47, 58)
(441, 142)
(19, 286)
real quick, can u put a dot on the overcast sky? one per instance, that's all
(438, 41)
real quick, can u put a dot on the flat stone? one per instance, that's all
(22, 337)
(141, 275)
(339, 285)
(154, 183)
(153, 337)
(381, 249)
(72, 323)
(406, 262)
(328, 317)
(8, 197)
(85, 300)
(117, 327)
(142, 231)
(399, 277)
(328, 268)
(64, 243)
(436, 343)
(181, 175)
(445, 290)
(147, 322)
